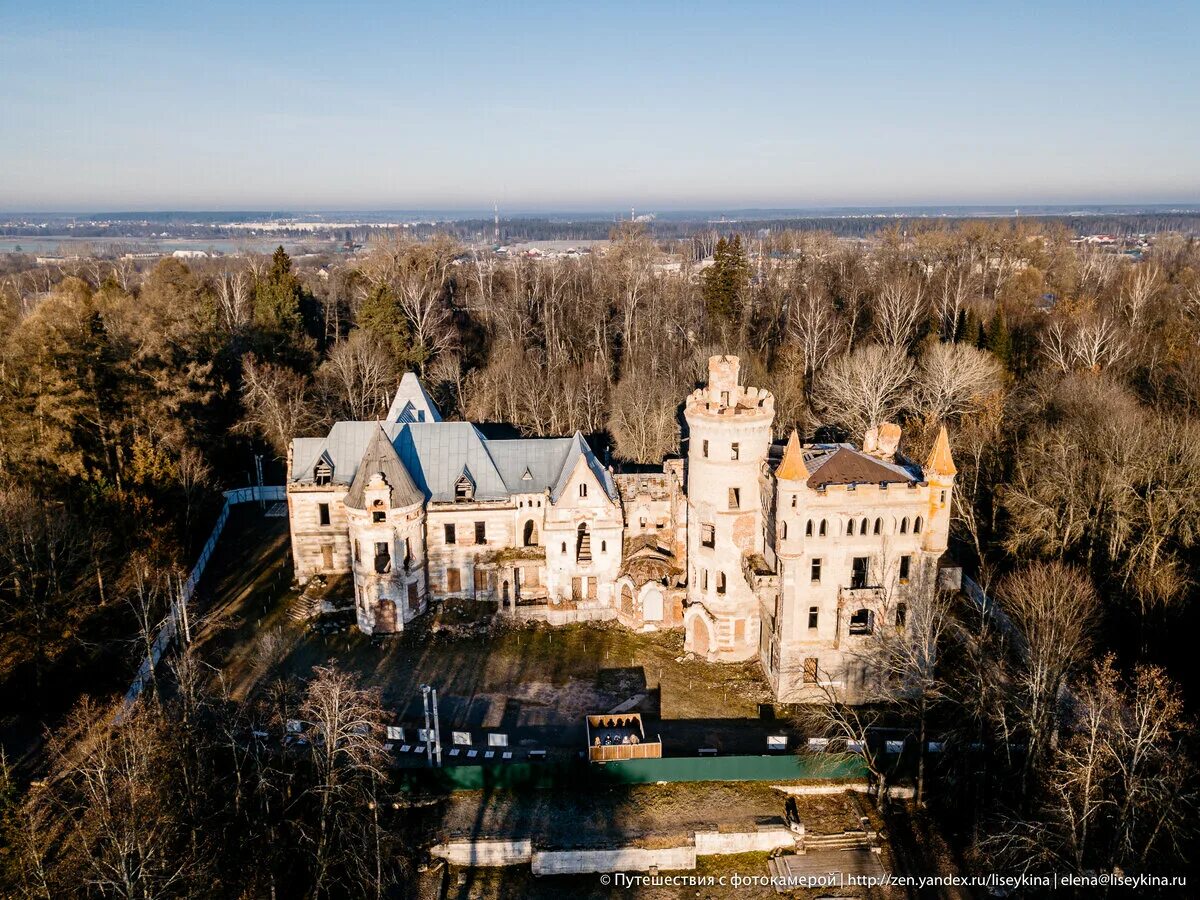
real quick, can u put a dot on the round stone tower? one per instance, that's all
(729, 436)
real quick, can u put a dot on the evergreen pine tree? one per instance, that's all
(999, 341)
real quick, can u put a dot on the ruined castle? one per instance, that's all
(789, 553)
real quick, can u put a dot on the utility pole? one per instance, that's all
(262, 503)
(183, 613)
(437, 732)
(428, 730)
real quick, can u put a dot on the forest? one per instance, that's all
(132, 392)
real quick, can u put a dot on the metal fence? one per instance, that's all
(170, 626)
(832, 767)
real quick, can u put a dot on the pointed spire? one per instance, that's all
(940, 461)
(792, 467)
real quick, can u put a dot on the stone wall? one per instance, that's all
(624, 859)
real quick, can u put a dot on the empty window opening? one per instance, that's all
(708, 536)
(850, 528)
(323, 513)
(323, 473)
(859, 571)
(917, 525)
(862, 526)
(813, 614)
(808, 529)
(879, 526)
(810, 670)
(378, 515)
(793, 501)
(905, 566)
(816, 571)
(583, 544)
(704, 449)
(904, 525)
(481, 532)
(735, 450)
(861, 621)
(383, 557)
(735, 498)
(901, 614)
(530, 537)
(450, 536)
(783, 531)
(822, 528)
(463, 489)
(720, 582)
(583, 490)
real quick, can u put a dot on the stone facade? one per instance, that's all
(792, 554)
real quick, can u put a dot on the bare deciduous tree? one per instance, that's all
(864, 388)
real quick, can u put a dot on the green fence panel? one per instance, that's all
(573, 774)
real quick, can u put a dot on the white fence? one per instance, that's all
(167, 631)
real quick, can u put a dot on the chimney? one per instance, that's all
(882, 441)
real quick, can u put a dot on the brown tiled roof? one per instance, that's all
(846, 466)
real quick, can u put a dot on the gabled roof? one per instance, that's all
(437, 453)
(433, 455)
(580, 450)
(380, 458)
(412, 403)
(940, 461)
(845, 465)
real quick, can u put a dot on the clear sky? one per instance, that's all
(340, 105)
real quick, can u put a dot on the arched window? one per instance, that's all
(862, 526)
(808, 529)
(917, 525)
(720, 582)
(822, 528)
(850, 528)
(783, 531)
(583, 490)
(604, 546)
(564, 550)
(879, 526)
(583, 544)
(531, 535)
(904, 525)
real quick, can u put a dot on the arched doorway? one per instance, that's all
(627, 601)
(699, 633)
(652, 605)
(530, 537)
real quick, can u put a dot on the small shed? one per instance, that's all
(620, 736)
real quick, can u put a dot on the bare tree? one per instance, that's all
(347, 753)
(953, 379)
(359, 376)
(1054, 606)
(864, 388)
(276, 402)
(898, 308)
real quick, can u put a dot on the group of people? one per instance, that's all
(630, 737)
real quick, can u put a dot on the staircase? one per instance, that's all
(847, 840)
(303, 607)
(585, 547)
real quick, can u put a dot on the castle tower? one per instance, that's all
(781, 625)
(729, 435)
(386, 514)
(939, 473)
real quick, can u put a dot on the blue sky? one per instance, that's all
(297, 105)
